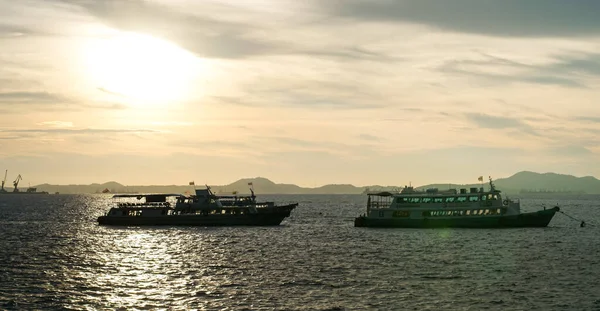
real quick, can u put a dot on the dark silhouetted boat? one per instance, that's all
(202, 209)
(477, 208)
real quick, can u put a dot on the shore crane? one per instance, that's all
(16, 183)
(4, 181)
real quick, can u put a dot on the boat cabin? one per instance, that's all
(143, 204)
(410, 202)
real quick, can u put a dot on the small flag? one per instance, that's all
(480, 178)
(192, 183)
(250, 184)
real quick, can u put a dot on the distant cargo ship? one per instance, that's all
(30, 190)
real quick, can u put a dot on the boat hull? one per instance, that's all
(525, 220)
(258, 219)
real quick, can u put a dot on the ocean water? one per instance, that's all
(54, 256)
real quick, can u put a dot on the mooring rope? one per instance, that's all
(583, 224)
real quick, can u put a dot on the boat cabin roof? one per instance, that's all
(383, 193)
(152, 197)
(436, 193)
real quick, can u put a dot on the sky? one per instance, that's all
(308, 92)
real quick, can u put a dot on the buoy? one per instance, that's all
(582, 224)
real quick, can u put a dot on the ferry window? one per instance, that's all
(438, 200)
(473, 198)
(498, 211)
(427, 200)
(483, 197)
(487, 211)
(480, 212)
(415, 200)
(450, 199)
(495, 197)
(461, 199)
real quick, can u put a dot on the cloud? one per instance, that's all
(57, 123)
(570, 150)
(576, 64)
(516, 18)
(78, 131)
(223, 31)
(19, 98)
(565, 70)
(13, 102)
(588, 119)
(497, 122)
(353, 53)
(12, 31)
(369, 137)
(203, 35)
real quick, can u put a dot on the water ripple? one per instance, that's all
(54, 256)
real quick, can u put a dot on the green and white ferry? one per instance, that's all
(476, 208)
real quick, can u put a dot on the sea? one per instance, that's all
(55, 256)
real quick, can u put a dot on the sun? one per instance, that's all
(142, 69)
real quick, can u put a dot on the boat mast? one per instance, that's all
(492, 188)
(252, 190)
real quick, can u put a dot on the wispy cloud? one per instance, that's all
(199, 32)
(12, 98)
(498, 122)
(491, 69)
(77, 131)
(588, 119)
(64, 124)
(533, 18)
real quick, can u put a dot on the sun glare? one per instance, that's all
(142, 69)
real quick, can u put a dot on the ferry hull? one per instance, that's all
(525, 220)
(258, 219)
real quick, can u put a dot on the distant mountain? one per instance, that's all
(550, 182)
(526, 182)
(536, 183)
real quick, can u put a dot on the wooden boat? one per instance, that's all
(477, 208)
(202, 209)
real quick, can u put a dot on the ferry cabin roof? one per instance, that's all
(147, 195)
(155, 197)
(434, 198)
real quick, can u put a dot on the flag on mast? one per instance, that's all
(192, 183)
(480, 178)
(250, 184)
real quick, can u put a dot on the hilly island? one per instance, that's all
(521, 183)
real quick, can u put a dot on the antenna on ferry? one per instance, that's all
(252, 189)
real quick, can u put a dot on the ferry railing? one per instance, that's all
(379, 205)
